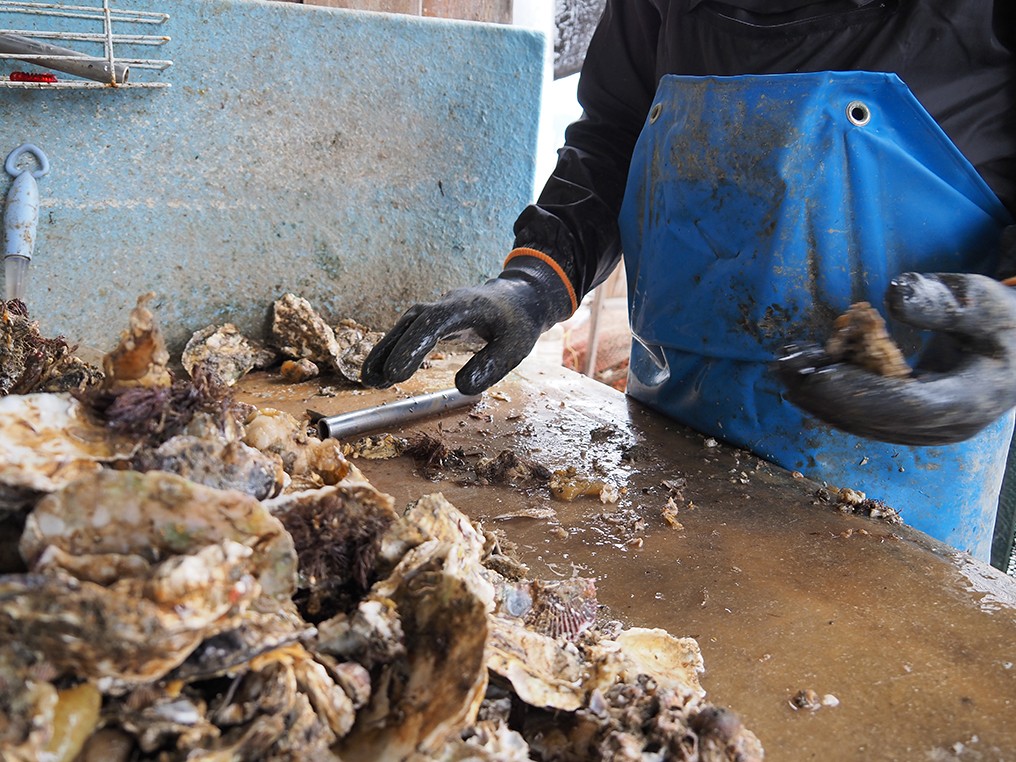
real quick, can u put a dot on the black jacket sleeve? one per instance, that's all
(575, 217)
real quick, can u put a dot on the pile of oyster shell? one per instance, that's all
(202, 580)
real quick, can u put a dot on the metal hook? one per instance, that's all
(11, 165)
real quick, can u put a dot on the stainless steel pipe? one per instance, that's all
(61, 59)
(393, 414)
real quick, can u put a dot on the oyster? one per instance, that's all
(300, 333)
(137, 629)
(540, 670)
(860, 337)
(46, 442)
(140, 359)
(355, 343)
(27, 705)
(298, 371)
(155, 516)
(225, 354)
(216, 463)
(309, 462)
(424, 699)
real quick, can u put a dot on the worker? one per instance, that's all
(763, 165)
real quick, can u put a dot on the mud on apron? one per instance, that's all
(758, 208)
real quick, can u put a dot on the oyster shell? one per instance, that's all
(541, 671)
(140, 359)
(301, 333)
(674, 664)
(860, 337)
(355, 343)
(155, 516)
(46, 442)
(225, 354)
(309, 462)
(424, 699)
(216, 463)
(298, 371)
(135, 630)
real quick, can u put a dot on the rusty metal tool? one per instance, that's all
(393, 414)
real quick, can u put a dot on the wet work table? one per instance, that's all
(908, 646)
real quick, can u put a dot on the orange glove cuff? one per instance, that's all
(547, 260)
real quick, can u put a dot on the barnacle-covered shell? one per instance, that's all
(157, 515)
(225, 353)
(46, 442)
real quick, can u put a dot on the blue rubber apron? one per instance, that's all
(758, 208)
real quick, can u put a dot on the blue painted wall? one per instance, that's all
(362, 160)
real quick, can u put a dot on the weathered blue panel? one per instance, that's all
(361, 160)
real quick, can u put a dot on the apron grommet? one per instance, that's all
(654, 114)
(858, 113)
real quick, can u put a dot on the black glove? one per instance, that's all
(965, 379)
(509, 312)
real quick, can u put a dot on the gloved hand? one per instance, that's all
(965, 379)
(509, 312)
